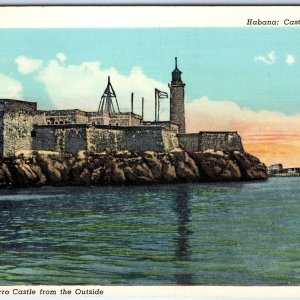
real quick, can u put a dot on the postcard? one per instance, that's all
(149, 151)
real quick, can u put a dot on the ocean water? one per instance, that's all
(195, 234)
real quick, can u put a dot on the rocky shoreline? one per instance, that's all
(45, 168)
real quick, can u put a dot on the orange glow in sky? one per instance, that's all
(271, 136)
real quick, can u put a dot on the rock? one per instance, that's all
(118, 176)
(178, 153)
(143, 171)
(251, 168)
(192, 165)
(52, 174)
(217, 166)
(37, 168)
(97, 176)
(85, 177)
(41, 177)
(130, 175)
(233, 169)
(153, 163)
(184, 173)
(5, 176)
(242, 160)
(168, 172)
(114, 174)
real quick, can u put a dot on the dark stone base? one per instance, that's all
(40, 168)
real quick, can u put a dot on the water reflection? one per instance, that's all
(182, 241)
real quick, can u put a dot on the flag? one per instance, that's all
(161, 94)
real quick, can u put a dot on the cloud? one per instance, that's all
(28, 65)
(61, 57)
(269, 59)
(10, 88)
(290, 59)
(272, 136)
(81, 86)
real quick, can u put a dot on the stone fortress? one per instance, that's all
(24, 127)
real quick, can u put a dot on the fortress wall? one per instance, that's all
(100, 139)
(39, 118)
(97, 138)
(204, 140)
(1, 130)
(17, 118)
(173, 127)
(144, 138)
(121, 121)
(220, 141)
(74, 139)
(81, 116)
(44, 139)
(60, 138)
(95, 118)
(66, 116)
(136, 120)
(135, 138)
(170, 139)
(189, 141)
(17, 105)
(17, 130)
(125, 119)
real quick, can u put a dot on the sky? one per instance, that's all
(242, 79)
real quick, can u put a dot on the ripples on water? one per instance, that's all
(237, 234)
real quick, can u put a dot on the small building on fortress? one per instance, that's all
(24, 127)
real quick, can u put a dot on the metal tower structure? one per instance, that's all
(108, 98)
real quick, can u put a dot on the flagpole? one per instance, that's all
(142, 108)
(155, 106)
(158, 108)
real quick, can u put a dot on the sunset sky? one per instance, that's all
(243, 79)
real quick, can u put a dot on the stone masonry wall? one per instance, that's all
(144, 138)
(97, 138)
(65, 116)
(136, 120)
(170, 139)
(69, 138)
(1, 131)
(17, 105)
(227, 140)
(17, 132)
(16, 123)
(17, 119)
(125, 119)
(220, 141)
(189, 141)
(75, 139)
(132, 138)
(45, 138)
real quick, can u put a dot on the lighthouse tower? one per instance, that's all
(177, 99)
